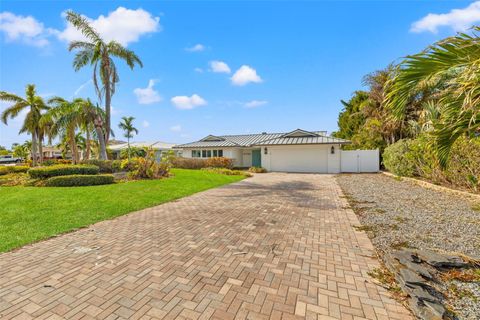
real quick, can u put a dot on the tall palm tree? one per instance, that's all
(93, 118)
(99, 53)
(127, 126)
(451, 68)
(35, 106)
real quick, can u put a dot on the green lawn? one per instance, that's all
(29, 214)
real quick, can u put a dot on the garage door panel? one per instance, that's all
(299, 159)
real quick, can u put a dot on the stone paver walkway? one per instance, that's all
(273, 246)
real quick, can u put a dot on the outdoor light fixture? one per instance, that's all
(265, 150)
(332, 150)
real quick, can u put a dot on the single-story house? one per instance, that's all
(159, 147)
(295, 151)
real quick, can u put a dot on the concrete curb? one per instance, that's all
(432, 186)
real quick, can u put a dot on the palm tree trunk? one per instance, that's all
(128, 145)
(101, 138)
(87, 144)
(40, 148)
(108, 99)
(34, 148)
(73, 147)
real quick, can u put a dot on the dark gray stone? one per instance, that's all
(441, 260)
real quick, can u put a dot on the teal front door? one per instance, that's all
(256, 158)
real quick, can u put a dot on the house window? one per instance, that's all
(196, 154)
(332, 150)
(265, 150)
(204, 153)
(220, 153)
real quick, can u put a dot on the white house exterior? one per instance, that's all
(296, 151)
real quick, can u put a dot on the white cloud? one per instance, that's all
(255, 103)
(80, 88)
(176, 128)
(219, 67)
(122, 25)
(196, 48)
(199, 70)
(23, 29)
(244, 75)
(457, 19)
(147, 95)
(187, 103)
(145, 124)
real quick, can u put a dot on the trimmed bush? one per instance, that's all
(52, 162)
(219, 162)
(189, 163)
(78, 180)
(62, 170)
(105, 166)
(196, 163)
(257, 170)
(228, 172)
(13, 169)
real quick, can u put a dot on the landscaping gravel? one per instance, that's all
(398, 213)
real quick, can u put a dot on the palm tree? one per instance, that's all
(67, 117)
(93, 118)
(35, 106)
(98, 53)
(450, 68)
(127, 126)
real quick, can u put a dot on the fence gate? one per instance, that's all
(360, 160)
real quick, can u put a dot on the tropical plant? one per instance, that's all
(450, 67)
(35, 106)
(22, 150)
(127, 126)
(97, 52)
(67, 117)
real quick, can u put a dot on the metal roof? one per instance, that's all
(248, 140)
(150, 144)
(302, 140)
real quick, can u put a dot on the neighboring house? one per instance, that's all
(50, 152)
(296, 151)
(159, 147)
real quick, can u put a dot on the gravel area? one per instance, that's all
(399, 214)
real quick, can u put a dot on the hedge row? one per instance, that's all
(196, 163)
(78, 180)
(13, 169)
(106, 166)
(61, 170)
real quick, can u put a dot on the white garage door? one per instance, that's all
(299, 159)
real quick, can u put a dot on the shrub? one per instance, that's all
(148, 168)
(105, 166)
(257, 170)
(78, 180)
(52, 162)
(189, 163)
(195, 163)
(13, 169)
(219, 162)
(417, 157)
(62, 170)
(228, 172)
(129, 165)
(396, 159)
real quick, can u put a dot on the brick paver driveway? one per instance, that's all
(273, 246)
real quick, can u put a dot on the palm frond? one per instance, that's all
(83, 25)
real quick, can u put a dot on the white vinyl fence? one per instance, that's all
(360, 160)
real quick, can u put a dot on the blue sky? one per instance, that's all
(222, 67)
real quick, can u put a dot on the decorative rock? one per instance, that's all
(411, 279)
(441, 260)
